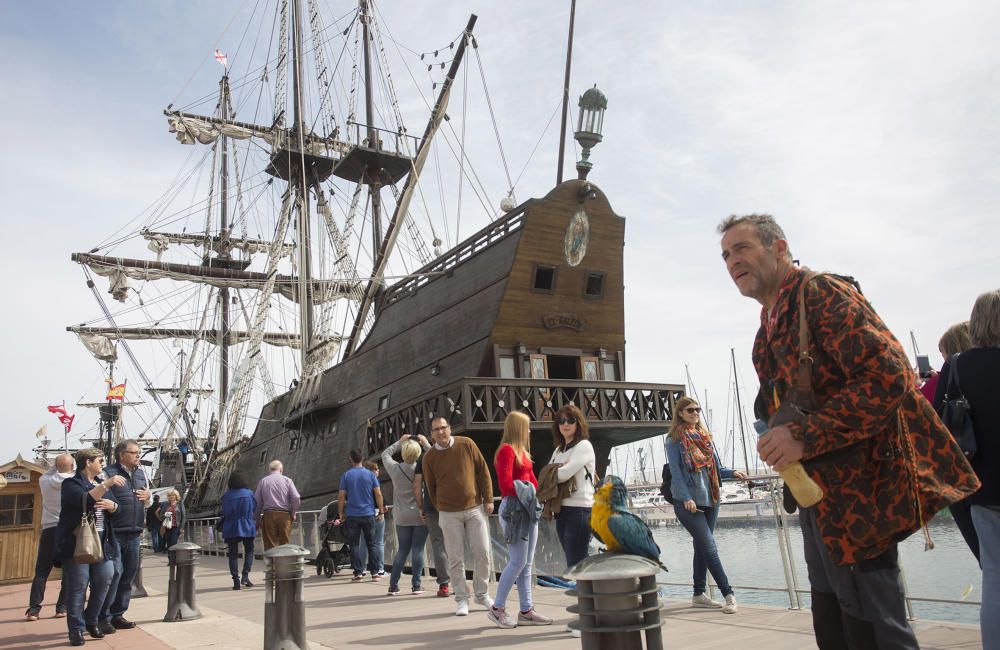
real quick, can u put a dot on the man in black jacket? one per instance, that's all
(127, 524)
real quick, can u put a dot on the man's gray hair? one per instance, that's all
(767, 228)
(984, 323)
(275, 464)
(122, 446)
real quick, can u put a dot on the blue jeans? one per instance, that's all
(78, 576)
(355, 528)
(379, 530)
(171, 538)
(987, 522)
(410, 540)
(125, 558)
(706, 555)
(518, 570)
(233, 546)
(154, 538)
(573, 529)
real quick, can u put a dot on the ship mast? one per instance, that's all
(225, 250)
(301, 191)
(374, 180)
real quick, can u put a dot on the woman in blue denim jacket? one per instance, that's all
(696, 473)
(85, 490)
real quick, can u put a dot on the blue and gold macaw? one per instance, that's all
(616, 527)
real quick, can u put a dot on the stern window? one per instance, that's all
(594, 285)
(545, 278)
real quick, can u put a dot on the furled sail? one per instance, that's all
(160, 241)
(120, 268)
(111, 334)
(102, 347)
(190, 128)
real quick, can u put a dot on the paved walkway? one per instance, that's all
(341, 615)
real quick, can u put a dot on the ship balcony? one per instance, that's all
(617, 412)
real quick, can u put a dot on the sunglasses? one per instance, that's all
(693, 409)
(569, 420)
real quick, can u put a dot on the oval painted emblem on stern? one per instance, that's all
(577, 236)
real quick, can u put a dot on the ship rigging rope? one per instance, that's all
(208, 58)
(539, 141)
(493, 117)
(430, 107)
(128, 350)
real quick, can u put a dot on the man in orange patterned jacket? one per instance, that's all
(880, 454)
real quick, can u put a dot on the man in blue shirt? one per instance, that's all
(359, 503)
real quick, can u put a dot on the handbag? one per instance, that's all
(88, 549)
(956, 412)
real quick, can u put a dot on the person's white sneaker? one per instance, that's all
(485, 601)
(575, 633)
(730, 606)
(463, 608)
(702, 600)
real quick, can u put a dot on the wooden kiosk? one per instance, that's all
(20, 520)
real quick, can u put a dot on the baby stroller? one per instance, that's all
(335, 551)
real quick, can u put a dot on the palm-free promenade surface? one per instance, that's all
(341, 615)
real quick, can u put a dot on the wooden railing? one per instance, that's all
(485, 238)
(477, 403)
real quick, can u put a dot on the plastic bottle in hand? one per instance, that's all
(805, 490)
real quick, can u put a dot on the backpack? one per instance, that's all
(665, 486)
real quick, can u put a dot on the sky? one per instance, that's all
(868, 130)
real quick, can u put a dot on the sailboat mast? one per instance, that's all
(374, 184)
(224, 253)
(301, 192)
(739, 411)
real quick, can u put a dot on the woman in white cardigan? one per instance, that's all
(574, 451)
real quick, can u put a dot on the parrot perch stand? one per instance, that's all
(617, 601)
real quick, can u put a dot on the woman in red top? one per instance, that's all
(513, 463)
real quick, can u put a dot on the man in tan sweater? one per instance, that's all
(459, 486)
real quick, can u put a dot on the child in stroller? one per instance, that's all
(335, 551)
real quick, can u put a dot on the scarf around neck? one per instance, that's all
(699, 454)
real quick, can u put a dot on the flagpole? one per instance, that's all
(65, 433)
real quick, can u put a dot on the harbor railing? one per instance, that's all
(549, 559)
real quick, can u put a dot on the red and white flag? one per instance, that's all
(221, 58)
(66, 419)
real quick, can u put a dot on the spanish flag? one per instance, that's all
(116, 392)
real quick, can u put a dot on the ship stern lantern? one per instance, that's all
(589, 127)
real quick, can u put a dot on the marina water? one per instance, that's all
(751, 557)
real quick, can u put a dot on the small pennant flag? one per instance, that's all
(116, 392)
(66, 419)
(221, 58)
(42, 430)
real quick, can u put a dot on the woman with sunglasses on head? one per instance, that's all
(696, 473)
(576, 455)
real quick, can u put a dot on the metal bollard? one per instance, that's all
(180, 594)
(617, 600)
(284, 611)
(138, 590)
